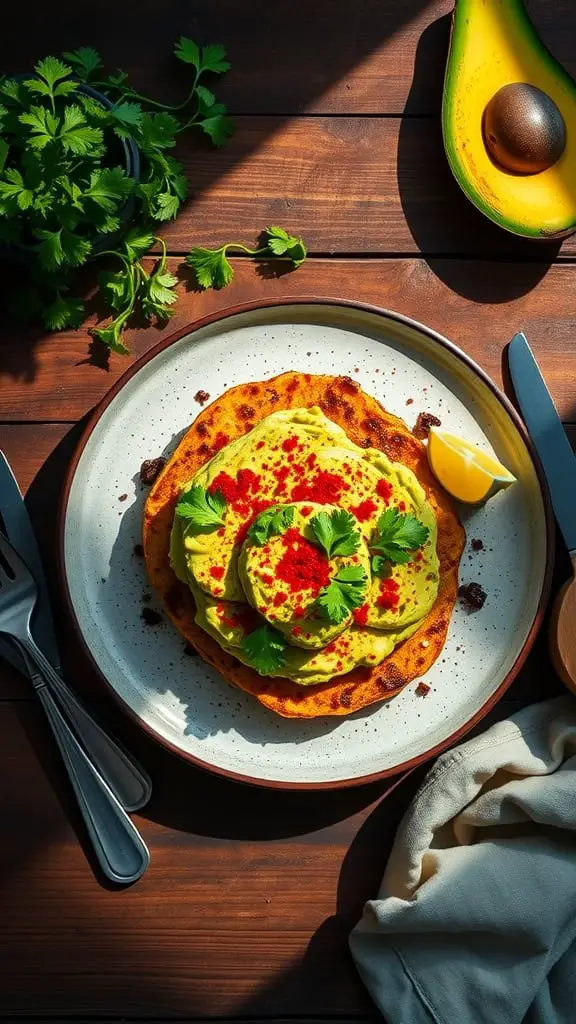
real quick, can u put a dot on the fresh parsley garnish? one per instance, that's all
(336, 532)
(265, 649)
(271, 523)
(213, 269)
(397, 536)
(345, 591)
(201, 509)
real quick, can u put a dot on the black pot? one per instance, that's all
(131, 161)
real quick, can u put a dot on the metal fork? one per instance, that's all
(121, 851)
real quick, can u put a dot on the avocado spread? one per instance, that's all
(294, 538)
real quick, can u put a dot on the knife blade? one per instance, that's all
(18, 528)
(547, 433)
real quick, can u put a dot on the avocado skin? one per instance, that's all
(493, 45)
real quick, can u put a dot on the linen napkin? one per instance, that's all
(475, 921)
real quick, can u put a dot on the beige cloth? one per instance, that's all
(475, 921)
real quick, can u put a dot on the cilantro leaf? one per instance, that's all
(219, 128)
(188, 51)
(213, 58)
(127, 113)
(396, 535)
(158, 131)
(15, 188)
(206, 97)
(109, 188)
(166, 206)
(52, 70)
(77, 136)
(76, 249)
(156, 295)
(282, 244)
(138, 241)
(14, 91)
(211, 267)
(110, 336)
(265, 649)
(49, 248)
(201, 509)
(44, 126)
(84, 60)
(336, 532)
(115, 284)
(345, 591)
(272, 522)
(63, 312)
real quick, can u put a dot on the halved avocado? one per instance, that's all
(495, 45)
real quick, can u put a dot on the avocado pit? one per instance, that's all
(524, 132)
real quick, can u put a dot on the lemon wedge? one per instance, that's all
(466, 472)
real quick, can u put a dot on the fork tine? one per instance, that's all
(13, 561)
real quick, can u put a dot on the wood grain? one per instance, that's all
(245, 911)
(479, 305)
(334, 57)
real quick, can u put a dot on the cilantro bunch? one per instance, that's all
(64, 185)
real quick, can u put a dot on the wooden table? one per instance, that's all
(246, 908)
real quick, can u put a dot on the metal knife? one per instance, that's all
(548, 435)
(15, 521)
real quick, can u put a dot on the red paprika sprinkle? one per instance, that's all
(216, 572)
(299, 613)
(302, 566)
(296, 631)
(306, 510)
(402, 506)
(311, 460)
(289, 444)
(267, 579)
(226, 485)
(325, 488)
(384, 489)
(364, 510)
(261, 444)
(389, 598)
(360, 615)
(279, 598)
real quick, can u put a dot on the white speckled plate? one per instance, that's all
(182, 701)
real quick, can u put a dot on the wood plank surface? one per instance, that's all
(478, 305)
(336, 57)
(347, 184)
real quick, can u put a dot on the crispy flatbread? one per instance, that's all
(368, 425)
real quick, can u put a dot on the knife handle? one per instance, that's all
(119, 847)
(127, 780)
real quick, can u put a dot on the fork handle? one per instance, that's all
(127, 780)
(120, 849)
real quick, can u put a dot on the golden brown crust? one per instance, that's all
(368, 425)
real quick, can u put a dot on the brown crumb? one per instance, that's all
(424, 422)
(150, 469)
(122, 497)
(201, 397)
(423, 689)
(151, 618)
(409, 401)
(190, 651)
(477, 544)
(139, 550)
(473, 595)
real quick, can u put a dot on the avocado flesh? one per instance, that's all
(495, 44)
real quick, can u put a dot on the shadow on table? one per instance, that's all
(435, 207)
